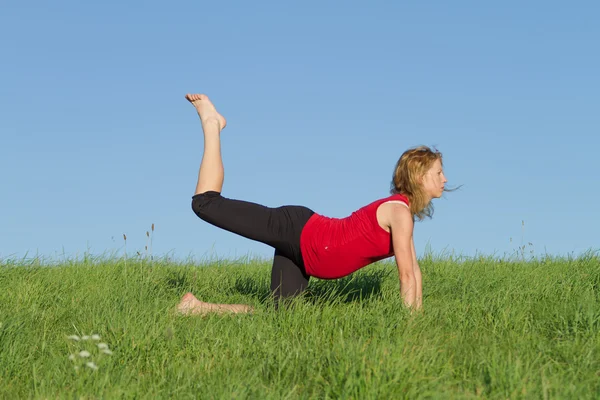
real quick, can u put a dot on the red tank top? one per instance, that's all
(335, 247)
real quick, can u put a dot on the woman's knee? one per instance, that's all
(201, 203)
(288, 280)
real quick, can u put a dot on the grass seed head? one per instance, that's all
(91, 365)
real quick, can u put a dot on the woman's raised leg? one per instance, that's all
(278, 227)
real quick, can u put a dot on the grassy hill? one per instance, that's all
(489, 329)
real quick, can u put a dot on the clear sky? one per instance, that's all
(321, 98)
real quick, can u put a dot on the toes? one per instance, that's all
(196, 97)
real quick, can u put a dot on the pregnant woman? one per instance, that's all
(310, 244)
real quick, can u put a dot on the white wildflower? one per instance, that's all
(84, 354)
(102, 346)
(86, 337)
(91, 365)
(76, 368)
(107, 351)
(96, 337)
(74, 337)
(72, 357)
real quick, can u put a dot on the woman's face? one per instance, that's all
(434, 180)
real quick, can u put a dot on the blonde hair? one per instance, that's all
(410, 168)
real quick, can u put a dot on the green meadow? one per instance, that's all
(490, 328)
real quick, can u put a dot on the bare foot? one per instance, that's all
(187, 303)
(190, 305)
(206, 109)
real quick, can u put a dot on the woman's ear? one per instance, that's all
(420, 179)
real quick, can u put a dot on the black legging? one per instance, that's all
(277, 227)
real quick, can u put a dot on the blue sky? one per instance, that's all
(321, 100)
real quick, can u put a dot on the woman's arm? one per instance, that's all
(401, 228)
(417, 272)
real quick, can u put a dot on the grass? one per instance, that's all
(490, 328)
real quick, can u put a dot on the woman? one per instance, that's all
(309, 244)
